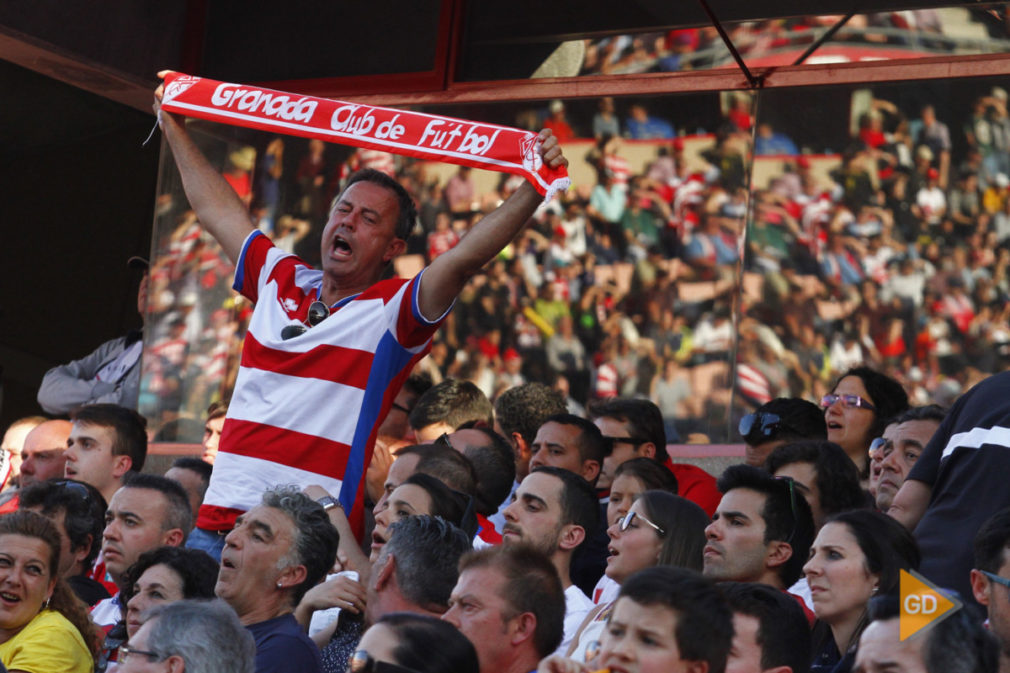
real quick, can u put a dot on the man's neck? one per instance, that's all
(772, 579)
(388, 602)
(333, 290)
(111, 489)
(265, 611)
(522, 663)
(562, 562)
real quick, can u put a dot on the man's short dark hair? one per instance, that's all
(837, 475)
(495, 466)
(446, 464)
(590, 441)
(427, 550)
(408, 211)
(783, 631)
(453, 402)
(531, 585)
(643, 418)
(955, 644)
(704, 630)
(524, 409)
(799, 419)
(316, 539)
(217, 409)
(418, 384)
(786, 514)
(82, 505)
(929, 412)
(579, 502)
(201, 467)
(992, 542)
(129, 427)
(178, 514)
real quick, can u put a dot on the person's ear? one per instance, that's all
(590, 470)
(394, 249)
(386, 572)
(980, 587)
(522, 628)
(176, 664)
(121, 465)
(779, 552)
(571, 537)
(523, 451)
(647, 450)
(292, 576)
(173, 537)
(81, 553)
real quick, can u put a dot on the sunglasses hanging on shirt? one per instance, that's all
(318, 312)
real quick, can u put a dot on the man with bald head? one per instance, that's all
(12, 443)
(44, 454)
(40, 455)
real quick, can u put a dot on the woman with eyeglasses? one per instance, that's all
(660, 529)
(857, 410)
(43, 626)
(632, 478)
(410, 643)
(856, 556)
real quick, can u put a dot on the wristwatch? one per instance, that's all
(328, 502)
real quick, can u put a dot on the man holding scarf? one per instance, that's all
(328, 350)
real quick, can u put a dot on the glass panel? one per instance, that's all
(627, 287)
(875, 36)
(884, 243)
(195, 321)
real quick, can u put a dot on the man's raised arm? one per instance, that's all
(216, 204)
(445, 277)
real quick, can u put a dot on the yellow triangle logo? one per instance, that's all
(922, 604)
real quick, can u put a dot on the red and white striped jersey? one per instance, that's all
(305, 410)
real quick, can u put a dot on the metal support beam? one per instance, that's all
(755, 82)
(824, 38)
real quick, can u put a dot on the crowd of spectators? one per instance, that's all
(682, 49)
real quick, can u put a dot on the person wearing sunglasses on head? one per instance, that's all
(822, 474)
(78, 511)
(761, 531)
(659, 529)
(893, 454)
(857, 410)
(403, 642)
(366, 332)
(781, 421)
(634, 428)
